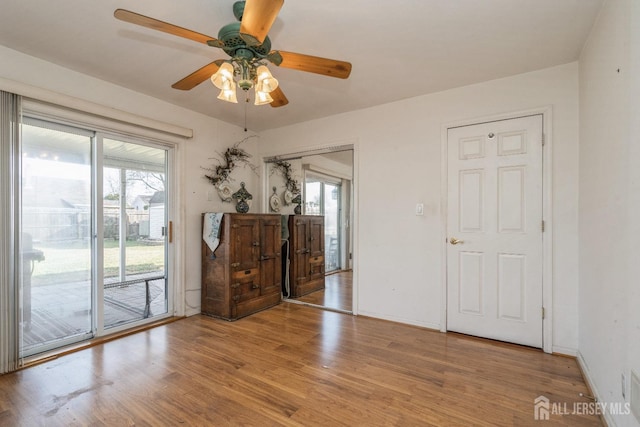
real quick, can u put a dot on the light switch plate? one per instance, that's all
(420, 209)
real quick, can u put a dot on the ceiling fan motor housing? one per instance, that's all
(230, 36)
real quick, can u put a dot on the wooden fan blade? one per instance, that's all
(315, 64)
(279, 100)
(257, 19)
(198, 76)
(154, 24)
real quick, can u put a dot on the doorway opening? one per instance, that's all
(94, 216)
(495, 240)
(327, 191)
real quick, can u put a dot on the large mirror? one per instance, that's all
(325, 183)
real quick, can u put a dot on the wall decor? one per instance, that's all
(242, 196)
(274, 200)
(225, 192)
(298, 201)
(292, 185)
(288, 197)
(220, 175)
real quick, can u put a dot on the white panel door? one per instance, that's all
(494, 230)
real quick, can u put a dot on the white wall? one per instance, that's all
(398, 146)
(211, 136)
(609, 231)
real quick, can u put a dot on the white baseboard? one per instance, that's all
(566, 351)
(586, 373)
(397, 319)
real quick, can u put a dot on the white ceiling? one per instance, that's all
(399, 49)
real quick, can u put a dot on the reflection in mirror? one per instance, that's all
(326, 184)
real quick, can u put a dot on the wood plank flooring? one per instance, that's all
(292, 365)
(337, 293)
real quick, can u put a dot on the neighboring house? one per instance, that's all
(156, 215)
(141, 203)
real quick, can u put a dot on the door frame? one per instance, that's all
(337, 145)
(547, 212)
(141, 131)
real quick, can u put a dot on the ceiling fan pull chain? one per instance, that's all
(246, 102)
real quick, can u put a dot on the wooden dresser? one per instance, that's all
(243, 275)
(306, 254)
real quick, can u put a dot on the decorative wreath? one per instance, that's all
(231, 158)
(285, 169)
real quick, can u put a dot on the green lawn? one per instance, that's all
(72, 261)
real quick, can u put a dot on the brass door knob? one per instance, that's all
(455, 241)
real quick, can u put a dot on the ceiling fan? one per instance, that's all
(249, 47)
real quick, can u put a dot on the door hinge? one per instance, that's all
(542, 226)
(543, 314)
(543, 140)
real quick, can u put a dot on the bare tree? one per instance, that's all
(111, 184)
(152, 180)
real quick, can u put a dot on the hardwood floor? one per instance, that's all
(293, 365)
(337, 293)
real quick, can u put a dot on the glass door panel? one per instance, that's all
(312, 198)
(322, 197)
(331, 211)
(134, 245)
(56, 236)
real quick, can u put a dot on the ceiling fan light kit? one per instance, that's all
(249, 48)
(246, 74)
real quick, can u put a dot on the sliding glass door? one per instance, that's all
(322, 197)
(134, 233)
(94, 233)
(331, 201)
(56, 235)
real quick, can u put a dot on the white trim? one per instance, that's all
(97, 232)
(335, 177)
(547, 236)
(586, 374)
(547, 212)
(342, 145)
(92, 108)
(355, 226)
(175, 248)
(565, 351)
(402, 320)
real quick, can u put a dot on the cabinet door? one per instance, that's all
(299, 251)
(316, 236)
(244, 243)
(316, 247)
(270, 244)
